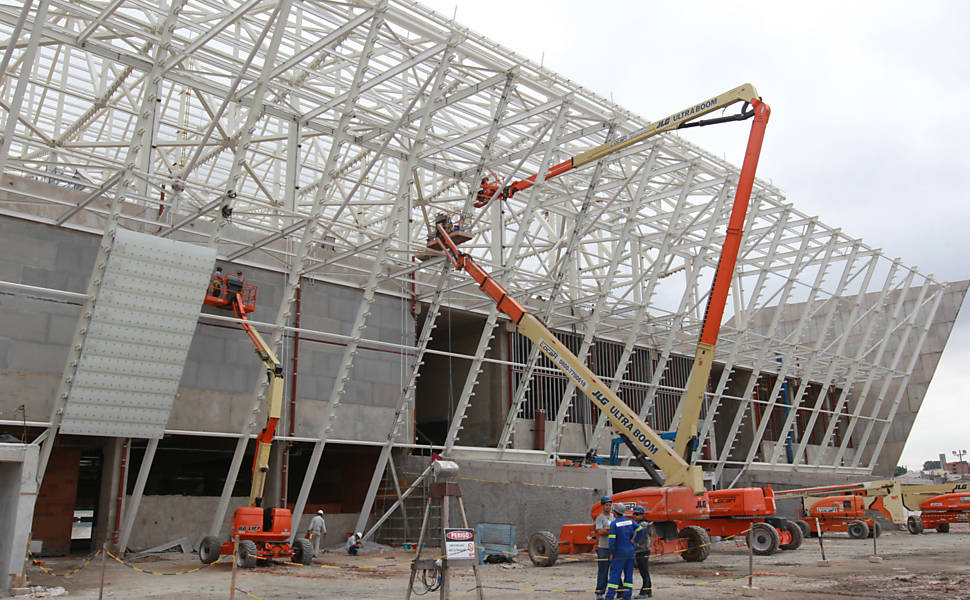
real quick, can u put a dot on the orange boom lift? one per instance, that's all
(264, 533)
(679, 494)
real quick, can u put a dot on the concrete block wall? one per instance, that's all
(531, 497)
(35, 331)
(222, 372)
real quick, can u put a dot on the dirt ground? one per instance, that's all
(932, 565)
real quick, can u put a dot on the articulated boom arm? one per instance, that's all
(680, 120)
(721, 287)
(640, 436)
(274, 402)
(704, 356)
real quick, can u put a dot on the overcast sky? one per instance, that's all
(869, 129)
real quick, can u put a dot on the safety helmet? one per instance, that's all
(619, 508)
(606, 500)
(639, 510)
(320, 512)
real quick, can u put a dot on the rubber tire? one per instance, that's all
(698, 543)
(543, 548)
(914, 524)
(858, 530)
(876, 530)
(209, 549)
(805, 527)
(943, 528)
(796, 536)
(302, 551)
(763, 539)
(246, 553)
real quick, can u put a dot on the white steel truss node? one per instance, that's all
(321, 139)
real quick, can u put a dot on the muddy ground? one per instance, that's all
(932, 565)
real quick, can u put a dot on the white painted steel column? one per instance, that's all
(624, 240)
(745, 404)
(28, 61)
(657, 271)
(835, 361)
(131, 507)
(862, 350)
(406, 401)
(245, 134)
(876, 368)
(795, 338)
(901, 391)
(341, 135)
(573, 240)
(140, 142)
(767, 353)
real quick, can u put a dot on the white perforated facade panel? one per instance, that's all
(136, 344)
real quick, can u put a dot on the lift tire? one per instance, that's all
(943, 528)
(795, 530)
(209, 549)
(876, 529)
(543, 548)
(302, 551)
(805, 527)
(914, 525)
(698, 543)
(246, 554)
(763, 539)
(858, 530)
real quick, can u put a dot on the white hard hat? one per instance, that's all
(359, 534)
(320, 512)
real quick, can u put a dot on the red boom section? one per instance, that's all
(486, 282)
(488, 190)
(732, 241)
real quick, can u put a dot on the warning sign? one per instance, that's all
(460, 544)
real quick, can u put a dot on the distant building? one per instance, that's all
(960, 467)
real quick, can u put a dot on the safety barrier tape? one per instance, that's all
(40, 565)
(250, 594)
(157, 573)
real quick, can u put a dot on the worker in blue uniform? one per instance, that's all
(624, 534)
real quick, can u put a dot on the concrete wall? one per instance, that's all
(222, 373)
(18, 489)
(531, 497)
(222, 370)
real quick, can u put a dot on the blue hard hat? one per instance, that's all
(639, 510)
(605, 499)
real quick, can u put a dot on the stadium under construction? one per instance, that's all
(310, 149)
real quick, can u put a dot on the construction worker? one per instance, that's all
(623, 536)
(602, 527)
(642, 558)
(317, 531)
(354, 543)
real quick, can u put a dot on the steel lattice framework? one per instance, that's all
(320, 138)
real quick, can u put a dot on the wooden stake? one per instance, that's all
(235, 550)
(104, 555)
(821, 545)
